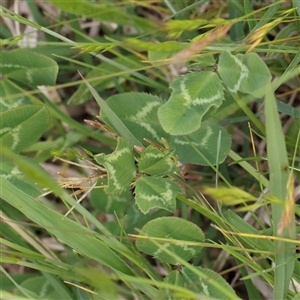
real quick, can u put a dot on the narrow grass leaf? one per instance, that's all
(60, 115)
(196, 270)
(239, 225)
(64, 229)
(113, 118)
(104, 11)
(296, 4)
(268, 15)
(45, 180)
(106, 81)
(279, 168)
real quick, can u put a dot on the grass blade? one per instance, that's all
(113, 118)
(278, 165)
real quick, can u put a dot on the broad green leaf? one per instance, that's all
(120, 167)
(155, 162)
(153, 192)
(73, 234)
(175, 278)
(7, 89)
(138, 112)
(259, 75)
(41, 287)
(108, 203)
(206, 140)
(232, 71)
(22, 126)
(207, 285)
(205, 60)
(177, 233)
(106, 81)
(193, 94)
(136, 219)
(29, 68)
(12, 173)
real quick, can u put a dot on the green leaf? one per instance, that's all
(11, 296)
(73, 234)
(258, 77)
(192, 96)
(177, 232)
(22, 126)
(297, 297)
(175, 278)
(108, 203)
(138, 112)
(205, 60)
(29, 68)
(296, 4)
(153, 192)
(206, 283)
(41, 287)
(232, 71)
(157, 163)
(279, 173)
(206, 140)
(7, 89)
(13, 174)
(120, 167)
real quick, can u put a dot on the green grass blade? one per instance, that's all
(268, 15)
(247, 167)
(113, 118)
(278, 165)
(292, 66)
